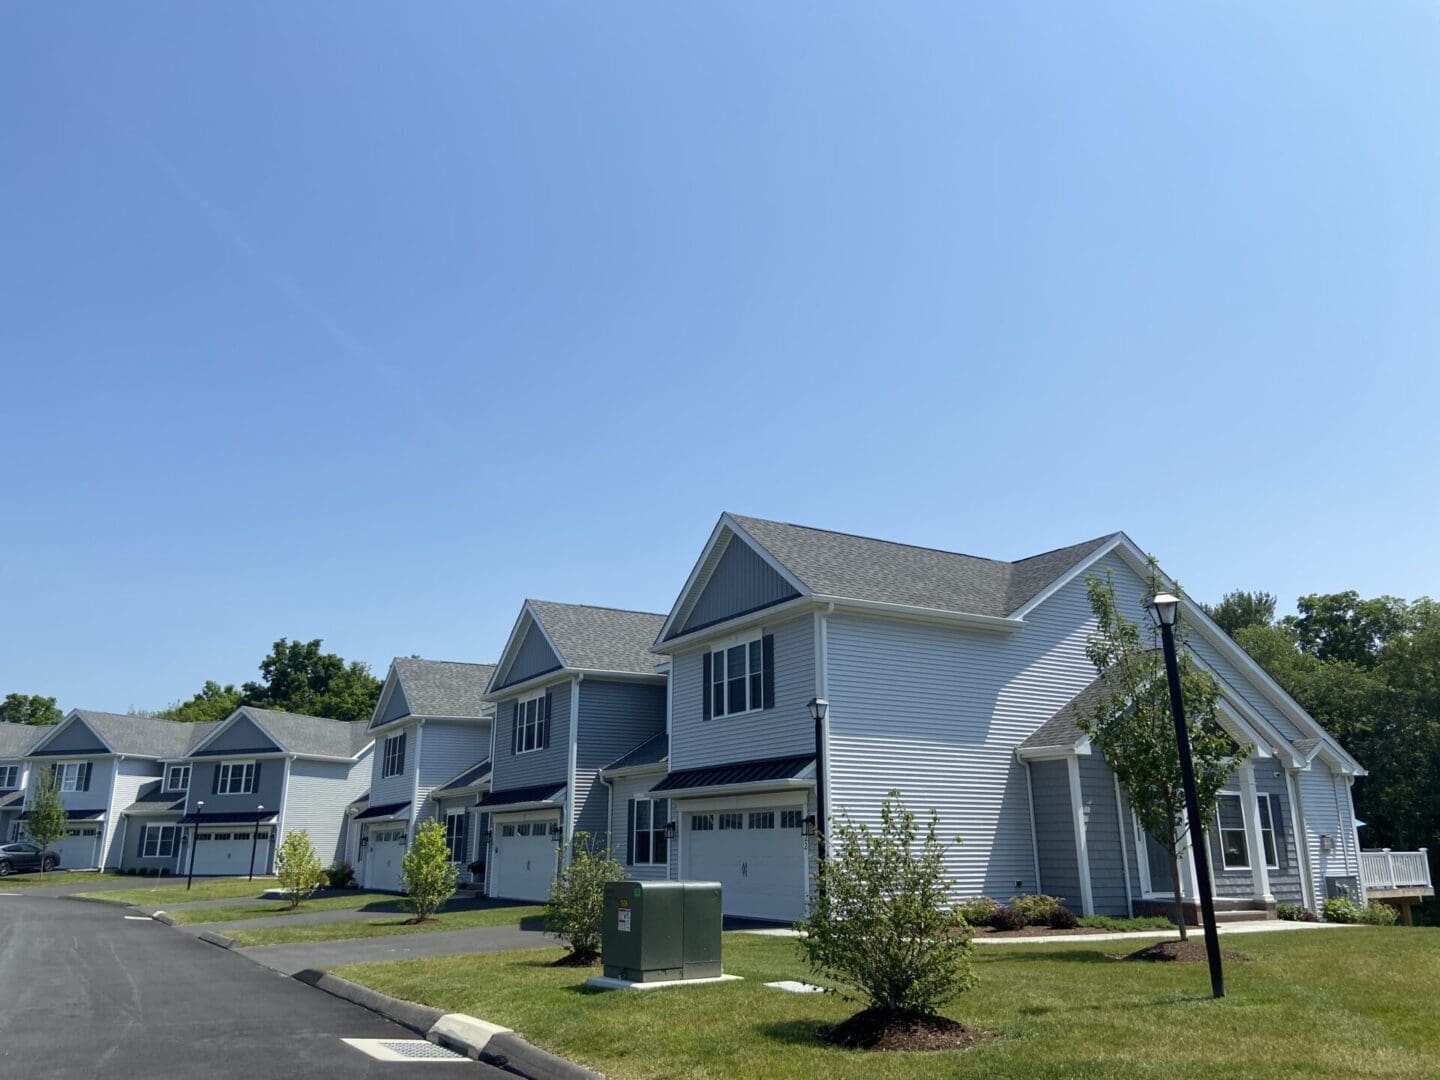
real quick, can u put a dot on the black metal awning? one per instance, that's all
(539, 793)
(740, 772)
(73, 815)
(383, 810)
(231, 817)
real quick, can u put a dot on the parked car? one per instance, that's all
(26, 857)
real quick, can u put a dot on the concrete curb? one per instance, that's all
(512, 1053)
(418, 1018)
(161, 917)
(95, 900)
(216, 939)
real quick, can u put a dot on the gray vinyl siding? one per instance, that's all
(446, 750)
(1055, 832)
(240, 737)
(1104, 843)
(779, 732)
(96, 797)
(533, 657)
(267, 792)
(615, 718)
(395, 708)
(741, 582)
(1327, 809)
(1238, 883)
(1232, 679)
(514, 770)
(128, 847)
(627, 788)
(131, 774)
(1285, 881)
(318, 794)
(76, 738)
(401, 786)
(1128, 836)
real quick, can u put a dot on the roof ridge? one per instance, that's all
(594, 607)
(1066, 547)
(878, 540)
(428, 660)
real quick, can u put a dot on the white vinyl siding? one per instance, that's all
(445, 749)
(316, 797)
(121, 785)
(1328, 811)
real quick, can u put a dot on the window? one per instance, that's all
(762, 819)
(393, 763)
(235, 778)
(530, 725)
(791, 819)
(524, 828)
(9, 777)
(737, 682)
(1269, 815)
(1234, 853)
(67, 776)
(702, 822)
(455, 836)
(159, 842)
(177, 778)
(648, 846)
(507, 830)
(732, 821)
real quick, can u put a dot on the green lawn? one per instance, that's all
(1318, 1003)
(172, 893)
(346, 901)
(10, 882)
(388, 924)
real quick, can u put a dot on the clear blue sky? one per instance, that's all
(365, 321)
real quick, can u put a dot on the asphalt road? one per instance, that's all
(85, 991)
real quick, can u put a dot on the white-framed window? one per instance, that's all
(177, 778)
(762, 819)
(648, 845)
(9, 777)
(68, 776)
(524, 828)
(737, 678)
(236, 778)
(1269, 815)
(159, 842)
(1230, 823)
(455, 835)
(732, 821)
(507, 830)
(791, 819)
(702, 822)
(530, 725)
(393, 762)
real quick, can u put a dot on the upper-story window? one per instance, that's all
(739, 677)
(236, 778)
(177, 778)
(9, 777)
(72, 776)
(532, 724)
(393, 763)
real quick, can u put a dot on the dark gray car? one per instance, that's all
(23, 856)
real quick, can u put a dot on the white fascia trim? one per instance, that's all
(73, 717)
(1228, 716)
(755, 787)
(764, 615)
(1082, 840)
(558, 675)
(1054, 753)
(1069, 576)
(962, 618)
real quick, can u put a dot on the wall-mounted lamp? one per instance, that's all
(489, 835)
(670, 830)
(808, 825)
(1327, 843)
(556, 832)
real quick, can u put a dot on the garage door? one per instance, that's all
(757, 855)
(227, 852)
(79, 847)
(384, 858)
(525, 859)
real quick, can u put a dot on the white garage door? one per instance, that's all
(227, 851)
(756, 853)
(384, 858)
(78, 849)
(525, 859)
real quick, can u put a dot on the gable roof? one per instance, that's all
(653, 751)
(17, 739)
(1063, 729)
(296, 733)
(138, 736)
(472, 777)
(443, 687)
(589, 638)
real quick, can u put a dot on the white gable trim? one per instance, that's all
(512, 647)
(73, 718)
(1069, 576)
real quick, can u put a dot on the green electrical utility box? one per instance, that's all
(657, 931)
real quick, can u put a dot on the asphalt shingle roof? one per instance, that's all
(314, 736)
(16, 739)
(600, 638)
(653, 751)
(443, 687)
(1063, 729)
(144, 736)
(151, 798)
(862, 568)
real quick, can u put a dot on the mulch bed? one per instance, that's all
(874, 1030)
(577, 960)
(1183, 952)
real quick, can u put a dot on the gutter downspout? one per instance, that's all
(415, 787)
(567, 833)
(279, 833)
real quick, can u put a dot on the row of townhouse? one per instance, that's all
(686, 742)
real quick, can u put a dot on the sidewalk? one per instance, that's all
(288, 959)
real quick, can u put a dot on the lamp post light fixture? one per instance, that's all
(819, 707)
(255, 838)
(1164, 609)
(194, 828)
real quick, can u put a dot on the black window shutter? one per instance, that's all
(85, 776)
(630, 832)
(705, 685)
(215, 780)
(515, 727)
(549, 700)
(256, 783)
(767, 672)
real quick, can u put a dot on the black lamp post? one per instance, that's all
(194, 828)
(818, 708)
(1164, 608)
(255, 838)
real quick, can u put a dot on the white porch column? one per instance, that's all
(1082, 845)
(1254, 840)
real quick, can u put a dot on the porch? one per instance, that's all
(1401, 878)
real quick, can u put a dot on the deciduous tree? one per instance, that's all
(48, 817)
(30, 709)
(428, 873)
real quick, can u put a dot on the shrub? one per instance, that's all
(577, 900)
(1121, 926)
(1294, 913)
(341, 875)
(1338, 909)
(1378, 914)
(976, 911)
(1036, 908)
(882, 925)
(1062, 918)
(297, 868)
(1007, 918)
(427, 871)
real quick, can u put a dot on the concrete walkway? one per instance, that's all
(300, 918)
(288, 959)
(1257, 927)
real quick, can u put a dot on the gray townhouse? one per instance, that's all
(956, 680)
(433, 732)
(15, 742)
(575, 689)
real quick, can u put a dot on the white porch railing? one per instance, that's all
(1386, 869)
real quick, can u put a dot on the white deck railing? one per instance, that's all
(1386, 869)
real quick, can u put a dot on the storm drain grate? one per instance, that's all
(404, 1050)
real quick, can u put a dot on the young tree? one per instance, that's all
(30, 709)
(297, 867)
(428, 872)
(48, 817)
(882, 923)
(577, 900)
(1132, 725)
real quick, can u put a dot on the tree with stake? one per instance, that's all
(428, 873)
(1133, 727)
(575, 913)
(48, 817)
(297, 867)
